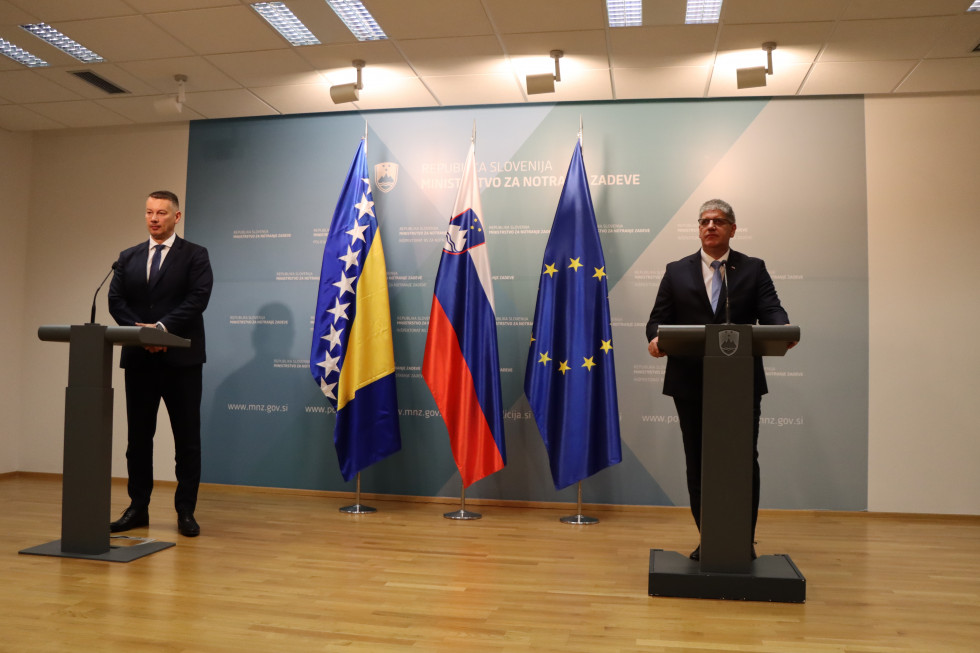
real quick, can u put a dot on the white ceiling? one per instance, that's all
(463, 52)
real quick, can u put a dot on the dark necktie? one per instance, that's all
(716, 284)
(155, 262)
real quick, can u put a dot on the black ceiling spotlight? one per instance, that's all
(756, 77)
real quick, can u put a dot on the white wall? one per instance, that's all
(923, 222)
(86, 201)
(15, 183)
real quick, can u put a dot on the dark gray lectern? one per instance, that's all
(726, 569)
(87, 465)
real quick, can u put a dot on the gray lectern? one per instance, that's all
(87, 465)
(726, 569)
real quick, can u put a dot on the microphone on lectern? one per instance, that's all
(115, 264)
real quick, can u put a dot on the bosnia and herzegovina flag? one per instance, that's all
(461, 365)
(352, 358)
(570, 380)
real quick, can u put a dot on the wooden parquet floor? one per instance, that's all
(286, 571)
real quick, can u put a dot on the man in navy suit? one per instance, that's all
(165, 283)
(686, 294)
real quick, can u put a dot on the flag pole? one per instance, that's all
(462, 513)
(578, 517)
(357, 508)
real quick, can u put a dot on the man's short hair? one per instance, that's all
(166, 195)
(718, 205)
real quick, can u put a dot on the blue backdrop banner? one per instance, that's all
(261, 193)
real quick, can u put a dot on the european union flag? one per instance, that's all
(352, 358)
(570, 380)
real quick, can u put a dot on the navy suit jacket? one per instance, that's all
(683, 299)
(177, 297)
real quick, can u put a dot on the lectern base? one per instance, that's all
(772, 578)
(114, 554)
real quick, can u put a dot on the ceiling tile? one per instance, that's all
(159, 73)
(395, 93)
(780, 11)
(658, 47)
(664, 12)
(958, 38)
(471, 55)
(521, 16)
(220, 30)
(266, 68)
(305, 98)
(586, 45)
(14, 15)
(943, 75)
(856, 77)
(52, 11)
(151, 6)
(864, 9)
(457, 90)
(17, 118)
(81, 113)
(124, 39)
(675, 82)
(878, 40)
(373, 53)
(23, 86)
(430, 19)
(150, 108)
(795, 42)
(234, 103)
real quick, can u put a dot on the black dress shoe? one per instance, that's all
(131, 518)
(696, 553)
(187, 525)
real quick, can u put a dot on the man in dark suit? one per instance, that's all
(163, 283)
(693, 292)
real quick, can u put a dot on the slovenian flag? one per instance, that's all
(570, 381)
(461, 365)
(352, 358)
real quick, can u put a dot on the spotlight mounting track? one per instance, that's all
(545, 83)
(342, 93)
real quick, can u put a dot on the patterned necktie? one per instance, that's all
(155, 263)
(716, 284)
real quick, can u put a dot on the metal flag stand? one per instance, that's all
(357, 508)
(578, 517)
(462, 513)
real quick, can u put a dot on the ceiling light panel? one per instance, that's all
(626, 13)
(702, 11)
(286, 23)
(21, 55)
(73, 48)
(358, 20)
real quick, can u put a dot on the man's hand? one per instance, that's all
(153, 349)
(654, 348)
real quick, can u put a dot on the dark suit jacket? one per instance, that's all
(682, 299)
(177, 298)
